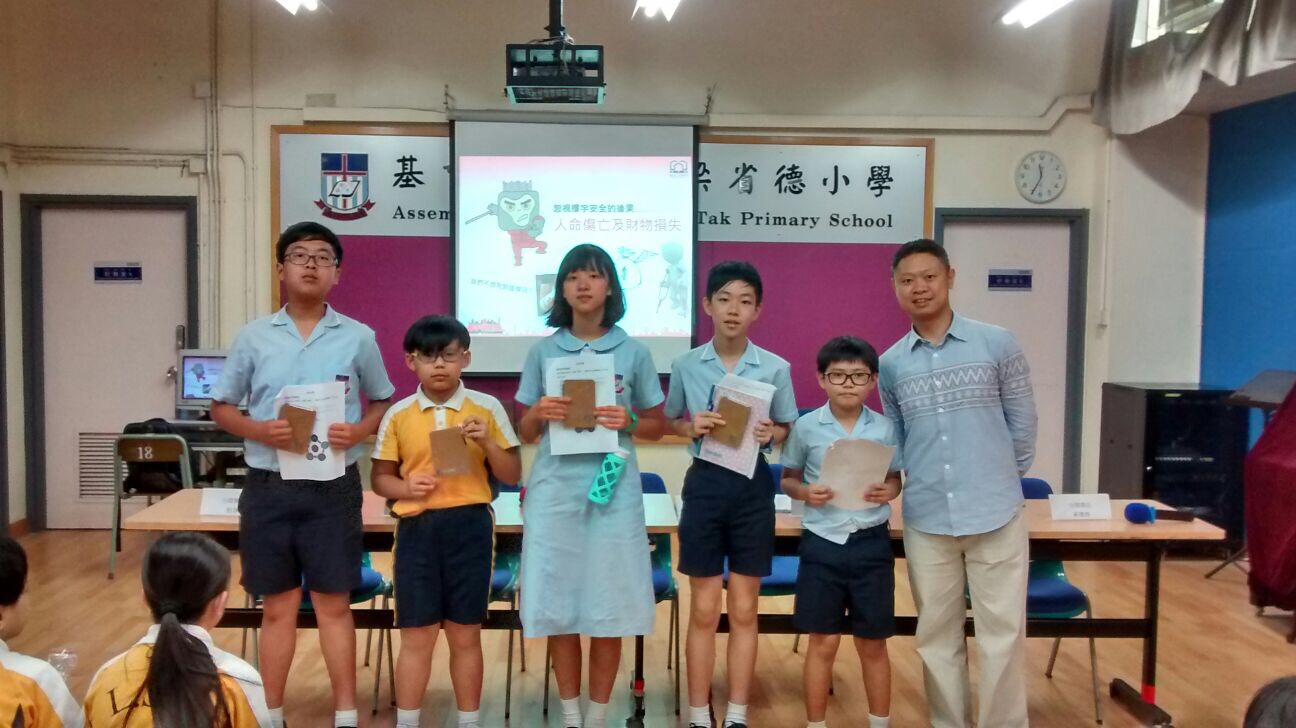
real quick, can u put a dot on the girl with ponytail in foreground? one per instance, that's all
(175, 677)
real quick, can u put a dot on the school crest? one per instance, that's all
(344, 186)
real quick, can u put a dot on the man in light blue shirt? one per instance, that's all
(846, 579)
(960, 396)
(295, 533)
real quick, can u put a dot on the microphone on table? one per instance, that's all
(1144, 513)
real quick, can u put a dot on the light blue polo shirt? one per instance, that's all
(804, 450)
(695, 373)
(269, 354)
(964, 411)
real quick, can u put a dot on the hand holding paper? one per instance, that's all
(586, 382)
(852, 468)
(450, 454)
(311, 409)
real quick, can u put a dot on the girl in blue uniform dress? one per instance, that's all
(585, 566)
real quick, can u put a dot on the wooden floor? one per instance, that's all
(1215, 651)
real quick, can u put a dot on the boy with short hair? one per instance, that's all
(846, 581)
(445, 538)
(726, 516)
(303, 532)
(32, 692)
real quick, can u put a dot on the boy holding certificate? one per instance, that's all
(846, 583)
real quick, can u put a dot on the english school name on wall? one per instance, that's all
(366, 184)
(811, 193)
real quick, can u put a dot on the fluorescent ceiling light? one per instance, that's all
(293, 6)
(1028, 12)
(651, 7)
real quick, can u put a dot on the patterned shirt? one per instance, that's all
(965, 415)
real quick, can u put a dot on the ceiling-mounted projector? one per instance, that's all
(554, 70)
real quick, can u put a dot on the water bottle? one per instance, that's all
(609, 473)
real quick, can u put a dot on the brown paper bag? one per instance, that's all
(580, 411)
(450, 454)
(735, 417)
(302, 422)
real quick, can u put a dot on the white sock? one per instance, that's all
(735, 714)
(882, 722)
(700, 715)
(343, 718)
(408, 718)
(469, 719)
(817, 724)
(571, 711)
(276, 717)
(595, 715)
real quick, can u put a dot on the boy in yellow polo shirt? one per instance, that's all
(445, 538)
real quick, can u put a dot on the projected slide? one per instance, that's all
(518, 215)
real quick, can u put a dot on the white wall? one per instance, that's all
(119, 78)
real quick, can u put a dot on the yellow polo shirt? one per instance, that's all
(32, 693)
(119, 680)
(403, 438)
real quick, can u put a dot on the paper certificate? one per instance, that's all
(599, 369)
(755, 397)
(850, 466)
(320, 461)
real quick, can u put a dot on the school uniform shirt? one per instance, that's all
(811, 436)
(403, 437)
(269, 354)
(32, 693)
(119, 680)
(695, 373)
(964, 411)
(586, 568)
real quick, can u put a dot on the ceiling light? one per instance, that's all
(1029, 12)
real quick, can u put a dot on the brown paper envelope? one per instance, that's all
(450, 454)
(580, 411)
(302, 422)
(735, 417)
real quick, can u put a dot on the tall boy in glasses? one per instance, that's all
(297, 534)
(445, 540)
(846, 582)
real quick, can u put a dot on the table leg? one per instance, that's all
(1142, 704)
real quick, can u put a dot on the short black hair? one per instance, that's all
(13, 571)
(722, 274)
(587, 256)
(307, 231)
(1274, 705)
(430, 335)
(847, 349)
(921, 245)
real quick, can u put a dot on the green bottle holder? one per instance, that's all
(609, 473)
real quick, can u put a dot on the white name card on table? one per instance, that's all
(219, 502)
(1080, 506)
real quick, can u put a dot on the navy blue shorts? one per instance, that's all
(847, 588)
(726, 516)
(444, 561)
(295, 533)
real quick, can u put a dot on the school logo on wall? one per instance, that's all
(344, 186)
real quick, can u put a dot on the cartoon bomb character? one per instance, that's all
(516, 209)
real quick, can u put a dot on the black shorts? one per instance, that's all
(726, 516)
(444, 560)
(295, 533)
(847, 588)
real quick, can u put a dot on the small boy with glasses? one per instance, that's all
(445, 540)
(846, 581)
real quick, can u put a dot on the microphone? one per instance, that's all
(1144, 513)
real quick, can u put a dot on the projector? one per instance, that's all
(554, 72)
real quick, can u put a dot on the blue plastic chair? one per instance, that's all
(1050, 596)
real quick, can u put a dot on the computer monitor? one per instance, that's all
(197, 372)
